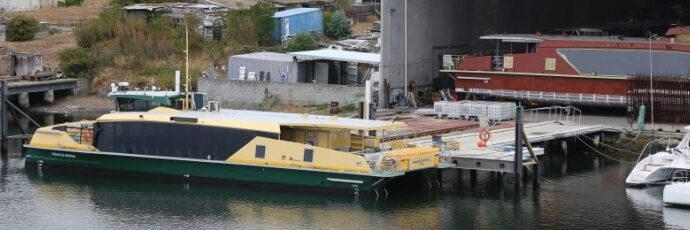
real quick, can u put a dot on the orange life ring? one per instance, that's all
(485, 135)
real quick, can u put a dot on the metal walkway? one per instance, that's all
(498, 155)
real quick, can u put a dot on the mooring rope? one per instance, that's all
(603, 154)
(610, 146)
(544, 178)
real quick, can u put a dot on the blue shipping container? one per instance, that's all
(297, 21)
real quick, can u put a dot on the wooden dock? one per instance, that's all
(498, 155)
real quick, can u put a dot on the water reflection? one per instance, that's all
(648, 202)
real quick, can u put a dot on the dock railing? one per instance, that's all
(554, 113)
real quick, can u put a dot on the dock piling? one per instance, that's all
(518, 163)
(3, 119)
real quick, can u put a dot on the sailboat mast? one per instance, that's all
(186, 69)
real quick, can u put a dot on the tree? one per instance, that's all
(22, 28)
(338, 27)
(251, 26)
(342, 4)
(301, 42)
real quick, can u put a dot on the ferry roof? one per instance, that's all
(254, 120)
(536, 38)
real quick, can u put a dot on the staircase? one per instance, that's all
(356, 143)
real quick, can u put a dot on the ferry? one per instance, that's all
(248, 147)
(579, 66)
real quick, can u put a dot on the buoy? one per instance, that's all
(481, 144)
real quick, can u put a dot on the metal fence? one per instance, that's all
(671, 98)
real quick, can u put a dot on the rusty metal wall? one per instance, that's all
(671, 98)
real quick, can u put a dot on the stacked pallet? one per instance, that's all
(495, 111)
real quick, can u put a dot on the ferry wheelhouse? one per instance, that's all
(309, 151)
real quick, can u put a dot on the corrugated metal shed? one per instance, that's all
(339, 55)
(281, 67)
(297, 21)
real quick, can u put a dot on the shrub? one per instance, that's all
(301, 42)
(68, 3)
(22, 28)
(338, 27)
(343, 4)
(101, 28)
(78, 63)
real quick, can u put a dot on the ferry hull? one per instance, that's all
(190, 170)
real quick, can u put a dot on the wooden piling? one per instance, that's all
(3, 119)
(518, 164)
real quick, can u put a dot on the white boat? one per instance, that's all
(659, 167)
(678, 192)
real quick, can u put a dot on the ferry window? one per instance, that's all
(308, 155)
(260, 152)
(550, 64)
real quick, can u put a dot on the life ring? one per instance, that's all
(485, 135)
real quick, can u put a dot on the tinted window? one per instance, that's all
(308, 155)
(172, 139)
(260, 151)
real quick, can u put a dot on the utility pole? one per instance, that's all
(405, 84)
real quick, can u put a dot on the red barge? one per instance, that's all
(566, 69)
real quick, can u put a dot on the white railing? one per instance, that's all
(554, 113)
(553, 96)
(451, 62)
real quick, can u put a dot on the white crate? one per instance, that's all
(495, 111)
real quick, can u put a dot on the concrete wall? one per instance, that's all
(437, 27)
(21, 5)
(233, 92)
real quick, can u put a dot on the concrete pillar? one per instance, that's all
(473, 176)
(596, 140)
(459, 177)
(535, 177)
(564, 146)
(49, 119)
(49, 96)
(24, 100)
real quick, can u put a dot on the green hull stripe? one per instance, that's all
(205, 169)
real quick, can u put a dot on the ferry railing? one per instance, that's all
(680, 176)
(553, 96)
(554, 113)
(649, 153)
(452, 62)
